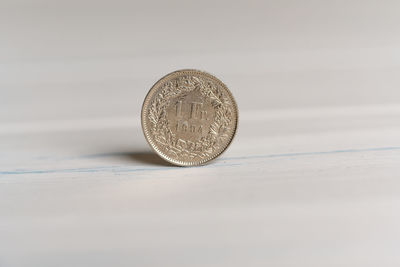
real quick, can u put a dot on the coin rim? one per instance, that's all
(144, 112)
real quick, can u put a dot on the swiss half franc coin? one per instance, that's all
(189, 117)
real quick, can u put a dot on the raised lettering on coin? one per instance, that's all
(189, 117)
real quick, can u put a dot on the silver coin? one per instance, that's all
(189, 117)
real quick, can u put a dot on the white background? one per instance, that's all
(311, 179)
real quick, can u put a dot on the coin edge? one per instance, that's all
(147, 135)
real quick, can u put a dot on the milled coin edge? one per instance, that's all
(144, 113)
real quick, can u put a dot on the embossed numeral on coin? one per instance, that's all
(179, 108)
(189, 117)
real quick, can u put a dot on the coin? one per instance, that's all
(189, 117)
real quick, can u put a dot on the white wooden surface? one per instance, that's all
(311, 179)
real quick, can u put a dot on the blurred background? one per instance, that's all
(311, 178)
(103, 56)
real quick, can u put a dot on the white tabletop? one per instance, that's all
(311, 179)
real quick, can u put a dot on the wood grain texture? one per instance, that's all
(311, 178)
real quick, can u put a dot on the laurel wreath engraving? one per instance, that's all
(219, 130)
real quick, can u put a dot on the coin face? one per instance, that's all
(189, 117)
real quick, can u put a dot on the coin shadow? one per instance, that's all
(146, 157)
